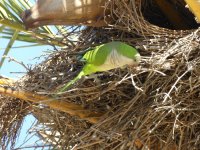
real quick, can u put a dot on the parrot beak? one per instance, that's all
(137, 58)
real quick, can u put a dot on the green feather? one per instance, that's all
(79, 76)
(101, 59)
(87, 69)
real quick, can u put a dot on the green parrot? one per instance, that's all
(106, 57)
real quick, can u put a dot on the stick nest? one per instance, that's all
(156, 103)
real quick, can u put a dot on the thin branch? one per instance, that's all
(19, 62)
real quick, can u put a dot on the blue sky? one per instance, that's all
(26, 55)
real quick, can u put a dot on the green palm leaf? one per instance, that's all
(11, 27)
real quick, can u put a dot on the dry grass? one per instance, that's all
(156, 103)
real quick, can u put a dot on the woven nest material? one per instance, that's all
(156, 103)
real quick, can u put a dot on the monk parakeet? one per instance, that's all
(106, 57)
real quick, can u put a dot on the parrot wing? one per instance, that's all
(98, 55)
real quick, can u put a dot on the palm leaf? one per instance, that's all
(11, 42)
(11, 27)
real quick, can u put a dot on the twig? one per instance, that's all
(20, 63)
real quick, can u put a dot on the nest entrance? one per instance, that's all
(169, 14)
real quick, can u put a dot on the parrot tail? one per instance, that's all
(66, 86)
